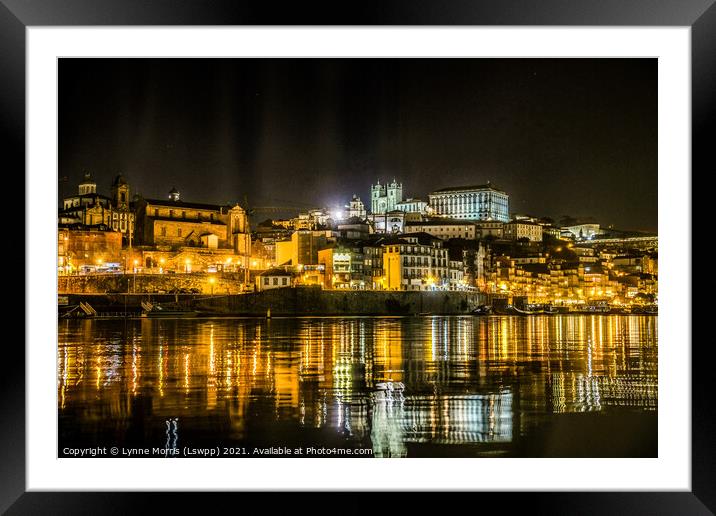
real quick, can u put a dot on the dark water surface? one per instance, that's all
(572, 385)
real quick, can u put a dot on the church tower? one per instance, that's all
(88, 186)
(120, 193)
(377, 198)
(395, 195)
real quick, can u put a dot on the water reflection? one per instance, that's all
(393, 384)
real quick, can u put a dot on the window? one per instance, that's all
(178, 231)
(275, 281)
(123, 197)
(156, 212)
(171, 213)
(284, 281)
(266, 281)
(164, 231)
(183, 214)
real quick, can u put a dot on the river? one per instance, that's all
(435, 386)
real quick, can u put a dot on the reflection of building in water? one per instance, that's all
(573, 392)
(460, 419)
(467, 380)
(388, 351)
(387, 424)
(441, 419)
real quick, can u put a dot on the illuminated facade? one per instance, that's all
(416, 262)
(414, 206)
(174, 223)
(443, 229)
(91, 209)
(480, 202)
(385, 198)
(518, 229)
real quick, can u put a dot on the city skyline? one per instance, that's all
(248, 124)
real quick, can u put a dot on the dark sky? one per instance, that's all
(562, 136)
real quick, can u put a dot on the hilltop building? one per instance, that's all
(385, 198)
(479, 202)
(89, 208)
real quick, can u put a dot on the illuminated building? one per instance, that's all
(517, 229)
(479, 202)
(391, 222)
(489, 228)
(273, 278)
(443, 229)
(344, 267)
(385, 198)
(414, 206)
(88, 248)
(415, 262)
(90, 208)
(356, 208)
(301, 249)
(585, 231)
(174, 223)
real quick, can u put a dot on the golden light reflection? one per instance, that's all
(395, 380)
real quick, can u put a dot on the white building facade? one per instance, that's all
(385, 198)
(480, 202)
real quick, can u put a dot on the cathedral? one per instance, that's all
(385, 198)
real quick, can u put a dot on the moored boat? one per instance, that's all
(157, 310)
(482, 310)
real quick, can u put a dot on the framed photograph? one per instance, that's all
(407, 252)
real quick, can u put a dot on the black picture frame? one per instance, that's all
(699, 15)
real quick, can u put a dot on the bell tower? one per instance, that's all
(120, 193)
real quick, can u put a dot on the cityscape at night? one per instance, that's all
(370, 257)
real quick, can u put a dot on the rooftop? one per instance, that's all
(276, 271)
(443, 222)
(486, 186)
(184, 204)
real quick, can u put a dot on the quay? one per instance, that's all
(297, 301)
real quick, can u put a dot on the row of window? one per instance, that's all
(199, 216)
(275, 281)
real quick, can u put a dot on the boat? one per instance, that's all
(157, 310)
(482, 310)
(513, 310)
(528, 312)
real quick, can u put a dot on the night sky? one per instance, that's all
(571, 137)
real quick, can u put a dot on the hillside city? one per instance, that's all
(461, 238)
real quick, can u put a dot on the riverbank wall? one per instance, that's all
(296, 301)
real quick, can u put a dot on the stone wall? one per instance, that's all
(299, 301)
